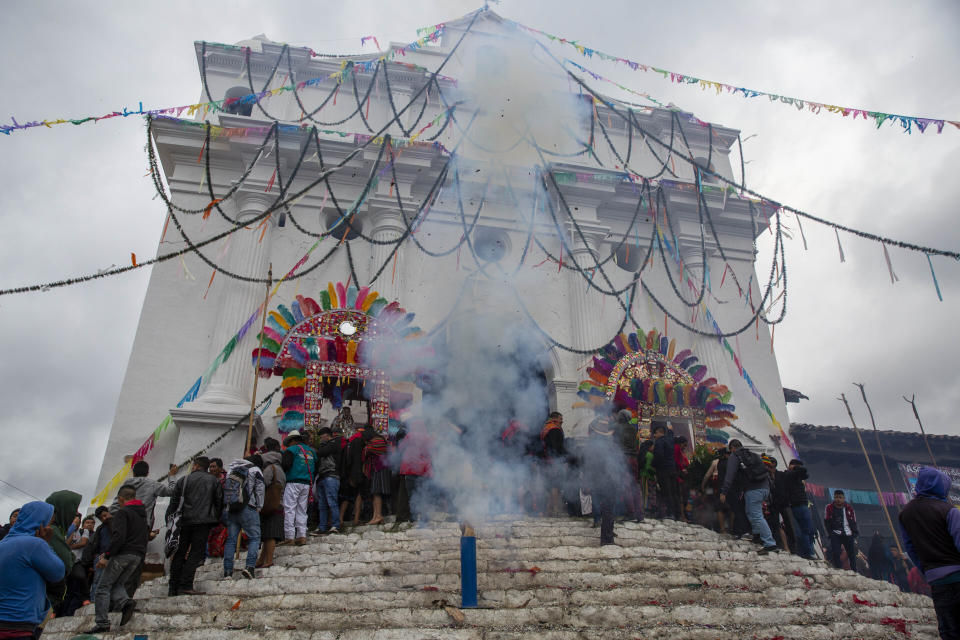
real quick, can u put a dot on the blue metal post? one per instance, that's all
(468, 572)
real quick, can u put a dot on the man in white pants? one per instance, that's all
(300, 464)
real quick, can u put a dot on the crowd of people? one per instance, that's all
(53, 560)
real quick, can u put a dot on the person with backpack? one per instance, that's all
(271, 515)
(299, 463)
(243, 493)
(329, 468)
(195, 507)
(746, 467)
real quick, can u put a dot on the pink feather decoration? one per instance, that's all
(361, 296)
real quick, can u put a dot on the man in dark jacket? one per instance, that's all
(793, 478)
(779, 507)
(199, 496)
(96, 548)
(668, 498)
(129, 535)
(741, 468)
(329, 468)
(603, 468)
(930, 528)
(841, 524)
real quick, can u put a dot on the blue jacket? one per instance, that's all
(930, 527)
(27, 563)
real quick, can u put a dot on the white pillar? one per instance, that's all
(387, 225)
(248, 255)
(586, 327)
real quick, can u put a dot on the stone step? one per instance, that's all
(652, 573)
(514, 599)
(586, 616)
(832, 631)
(548, 578)
(615, 559)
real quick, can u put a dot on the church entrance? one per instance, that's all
(352, 346)
(645, 374)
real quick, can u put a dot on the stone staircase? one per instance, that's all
(546, 577)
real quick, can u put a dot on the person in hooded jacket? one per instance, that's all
(65, 504)
(246, 518)
(27, 565)
(129, 535)
(930, 529)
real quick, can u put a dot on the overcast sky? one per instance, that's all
(74, 199)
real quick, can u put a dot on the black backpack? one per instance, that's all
(752, 466)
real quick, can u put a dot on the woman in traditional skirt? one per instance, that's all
(271, 515)
(376, 469)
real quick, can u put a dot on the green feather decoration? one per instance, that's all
(269, 344)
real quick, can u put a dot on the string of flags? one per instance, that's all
(878, 117)
(856, 496)
(433, 35)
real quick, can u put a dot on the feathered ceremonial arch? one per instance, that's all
(642, 373)
(323, 350)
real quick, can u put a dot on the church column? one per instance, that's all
(587, 331)
(387, 226)
(248, 255)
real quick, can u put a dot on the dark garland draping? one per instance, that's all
(632, 124)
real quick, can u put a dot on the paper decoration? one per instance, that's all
(192, 109)
(890, 498)
(907, 122)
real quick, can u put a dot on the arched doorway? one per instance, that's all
(645, 374)
(354, 345)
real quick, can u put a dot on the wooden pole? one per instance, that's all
(923, 434)
(883, 505)
(876, 434)
(256, 369)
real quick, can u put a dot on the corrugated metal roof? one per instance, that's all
(802, 427)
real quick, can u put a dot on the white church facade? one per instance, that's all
(526, 203)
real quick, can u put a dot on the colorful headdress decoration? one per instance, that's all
(310, 342)
(637, 371)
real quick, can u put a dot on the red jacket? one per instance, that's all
(851, 519)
